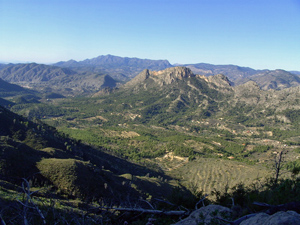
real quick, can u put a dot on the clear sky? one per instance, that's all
(262, 34)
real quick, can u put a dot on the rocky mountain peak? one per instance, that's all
(171, 75)
(162, 77)
(175, 72)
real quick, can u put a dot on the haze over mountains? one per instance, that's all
(91, 75)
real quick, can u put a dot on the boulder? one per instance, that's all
(206, 215)
(279, 218)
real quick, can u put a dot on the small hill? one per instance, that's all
(24, 99)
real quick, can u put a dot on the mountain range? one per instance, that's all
(120, 68)
(266, 79)
(48, 78)
(92, 75)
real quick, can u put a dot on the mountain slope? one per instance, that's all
(172, 95)
(158, 95)
(5, 103)
(7, 89)
(39, 153)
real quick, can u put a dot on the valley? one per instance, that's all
(153, 133)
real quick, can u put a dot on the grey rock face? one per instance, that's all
(279, 218)
(206, 215)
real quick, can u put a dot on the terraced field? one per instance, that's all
(206, 174)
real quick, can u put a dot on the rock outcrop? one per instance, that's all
(211, 214)
(279, 218)
(207, 215)
(161, 77)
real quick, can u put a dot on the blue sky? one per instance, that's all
(262, 34)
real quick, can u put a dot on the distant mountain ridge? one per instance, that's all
(295, 72)
(121, 68)
(42, 77)
(266, 79)
(124, 69)
(233, 72)
(32, 72)
(91, 75)
(273, 79)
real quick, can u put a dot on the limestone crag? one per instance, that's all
(170, 75)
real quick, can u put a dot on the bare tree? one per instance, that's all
(278, 165)
(28, 202)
